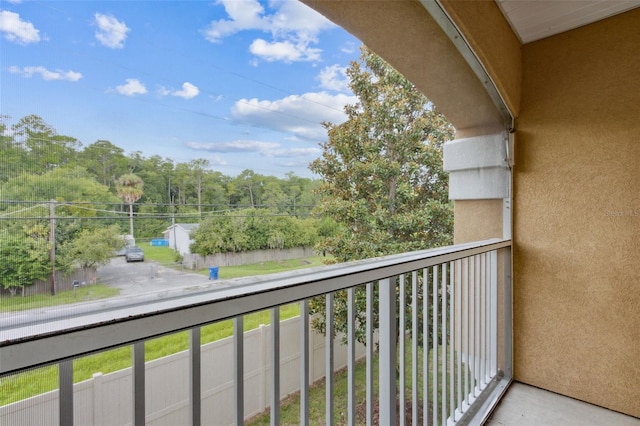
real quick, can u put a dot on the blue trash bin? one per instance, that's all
(213, 273)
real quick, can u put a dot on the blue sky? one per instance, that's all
(241, 83)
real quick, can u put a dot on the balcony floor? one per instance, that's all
(525, 405)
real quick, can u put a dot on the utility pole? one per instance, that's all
(52, 240)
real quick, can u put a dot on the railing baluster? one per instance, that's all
(487, 320)
(275, 366)
(472, 325)
(65, 392)
(483, 311)
(238, 368)
(369, 349)
(476, 289)
(329, 315)
(434, 337)
(466, 322)
(452, 366)
(494, 312)
(425, 344)
(414, 347)
(304, 362)
(459, 352)
(402, 383)
(351, 356)
(387, 355)
(138, 384)
(443, 363)
(195, 398)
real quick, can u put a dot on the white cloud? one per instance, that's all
(265, 149)
(188, 91)
(335, 78)
(293, 27)
(297, 152)
(47, 74)
(163, 91)
(216, 160)
(284, 51)
(234, 146)
(348, 48)
(111, 32)
(16, 29)
(299, 115)
(131, 88)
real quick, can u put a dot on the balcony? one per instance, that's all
(465, 291)
(525, 405)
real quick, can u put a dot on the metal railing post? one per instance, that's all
(65, 393)
(238, 368)
(195, 378)
(387, 356)
(138, 384)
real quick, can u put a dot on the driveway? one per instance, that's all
(147, 277)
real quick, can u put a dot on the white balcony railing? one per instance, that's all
(450, 364)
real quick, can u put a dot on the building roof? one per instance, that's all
(185, 226)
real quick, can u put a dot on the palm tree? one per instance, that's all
(129, 189)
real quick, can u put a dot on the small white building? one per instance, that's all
(179, 236)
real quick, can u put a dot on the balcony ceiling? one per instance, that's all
(536, 19)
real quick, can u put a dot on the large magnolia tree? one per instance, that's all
(383, 181)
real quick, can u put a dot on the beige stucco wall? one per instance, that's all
(577, 215)
(477, 220)
(492, 40)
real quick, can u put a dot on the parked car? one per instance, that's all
(134, 254)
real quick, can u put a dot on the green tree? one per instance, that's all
(93, 248)
(104, 160)
(61, 183)
(129, 188)
(24, 257)
(252, 229)
(46, 148)
(198, 169)
(251, 184)
(382, 174)
(13, 154)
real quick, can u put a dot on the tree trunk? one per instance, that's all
(131, 219)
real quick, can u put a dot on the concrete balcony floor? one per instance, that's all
(525, 405)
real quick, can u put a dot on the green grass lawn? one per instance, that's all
(166, 256)
(162, 255)
(290, 407)
(81, 294)
(228, 272)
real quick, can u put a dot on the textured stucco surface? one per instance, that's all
(577, 215)
(491, 38)
(477, 220)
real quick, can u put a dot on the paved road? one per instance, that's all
(146, 277)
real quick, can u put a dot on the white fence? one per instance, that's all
(107, 399)
(195, 261)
